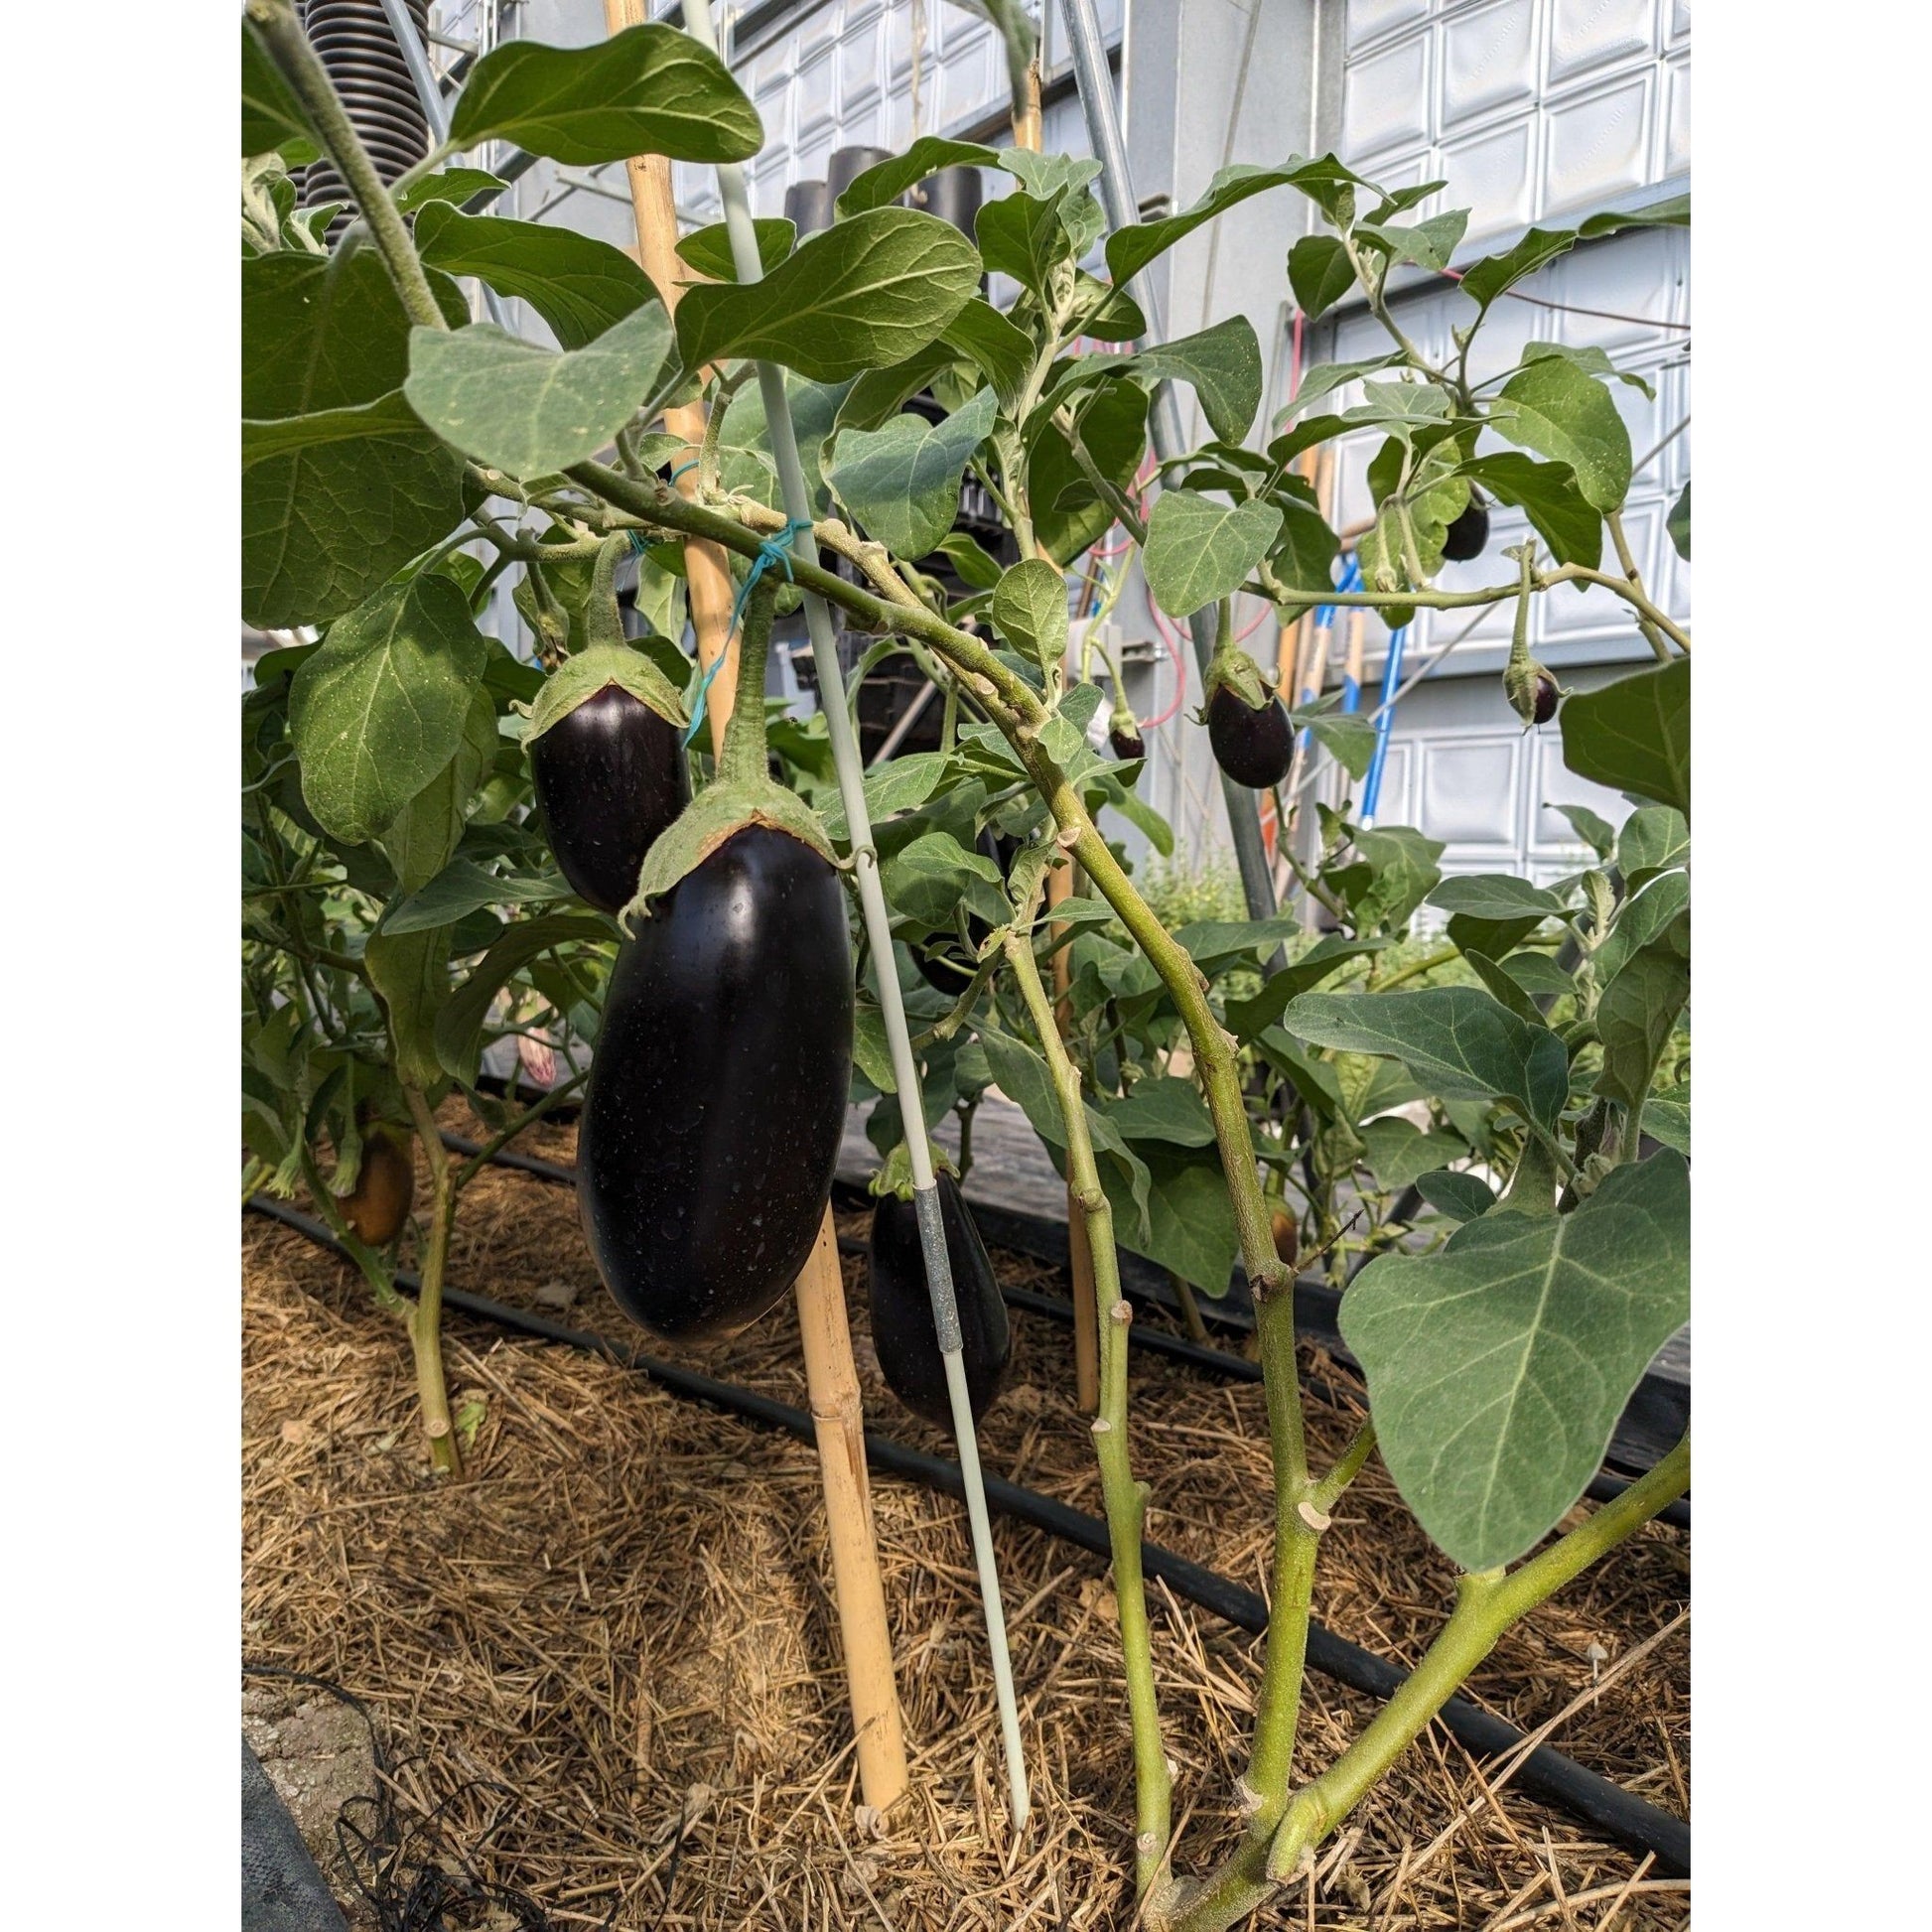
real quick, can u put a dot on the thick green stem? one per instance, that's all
(288, 47)
(1487, 1603)
(426, 1317)
(1651, 634)
(1126, 1499)
(747, 753)
(499, 1140)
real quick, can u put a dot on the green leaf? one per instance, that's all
(379, 709)
(1654, 839)
(708, 251)
(865, 294)
(647, 91)
(1679, 522)
(1593, 361)
(1497, 1367)
(890, 179)
(1428, 243)
(1190, 1226)
(1044, 175)
(458, 1027)
(455, 186)
(1326, 378)
(1640, 920)
(319, 333)
(1538, 974)
(1163, 1108)
(464, 887)
(1457, 1040)
(1483, 281)
(1130, 250)
(1497, 896)
(1320, 272)
(421, 838)
(530, 410)
(1223, 364)
(1638, 1010)
(1595, 832)
(815, 407)
(1490, 937)
(1403, 870)
(1503, 985)
(1454, 1195)
(1554, 408)
(1348, 739)
(929, 880)
(1199, 550)
(1002, 351)
(1546, 494)
(1068, 515)
(1026, 236)
(977, 570)
(272, 120)
(1634, 734)
(1399, 1152)
(902, 481)
(411, 977)
(1328, 954)
(1029, 612)
(577, 285)
(1667, 1118)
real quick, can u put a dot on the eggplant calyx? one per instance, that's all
(895, 1179)
(595, 668)
(713, 818)
(1232, 669)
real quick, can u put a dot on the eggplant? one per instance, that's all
(609, 776)
(385, 1184)
(712, 1120)
(1468, 536)
(1252, 746)
(1543, 706)
(903, 1331)
(1124, 735)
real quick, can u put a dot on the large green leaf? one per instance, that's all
(411, 977)
(1555, 409)
(1547, 496)
(579, 286)
(1190, 1226)
(1642, 917)
(1002, 351)
(456, 185)
(1485, 280)
(1165, 1109)
(1399, 1152)
(1223, 364)
(1328, 955)
(1029, 612)
(421, 838)
(1654, 839)
(890, 179)
(865, 294)
(1070, 514)
(708, 251)
(1320, 272)
(379, 709)
(319, 333)
(272, 121)
(815, 408)
(1459, 1041)
(1026, 236)
(1129, 250)
(464, 887)
(458, 1027)
(932, 877)
(1638, 1010)
(530, 410)
(647, 91)
(1497, 1367)
(1497, 896)
(902, 481)
(1199, 550)
(1635, 734)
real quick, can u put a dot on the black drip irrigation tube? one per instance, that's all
(1605, 1486)
(1544, 1773)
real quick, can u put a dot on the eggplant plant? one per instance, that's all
(1486, 1133)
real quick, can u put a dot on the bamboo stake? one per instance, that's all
(707, 574)
(1086, 1320)
(831, 1379)
(872, 899)
(839, 1420)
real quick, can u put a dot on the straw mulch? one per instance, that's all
(624, 1615)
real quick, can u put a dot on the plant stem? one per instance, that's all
(1415, 969)
(1651, 634)
(288, 47)
(426, 1317)
(1353, 1459)
(1126, 1499)
(1189, 1308)
(1489, 1602)
(529, 1117)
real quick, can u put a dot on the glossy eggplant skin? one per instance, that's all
(1467, 536)
(903, 1334)
(1254, 747)
(609, 777)
(1126, 743)
(717, 1097)
(1544, 703)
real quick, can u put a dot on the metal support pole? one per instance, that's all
(1096, 88)
(872, 899)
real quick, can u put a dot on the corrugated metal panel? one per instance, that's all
(1529, 108)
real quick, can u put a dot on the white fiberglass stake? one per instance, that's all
(872, 899)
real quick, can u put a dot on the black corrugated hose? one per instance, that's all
(1545, 1775)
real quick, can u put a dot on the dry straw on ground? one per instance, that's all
(623, 1613)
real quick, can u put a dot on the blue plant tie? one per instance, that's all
(774, 553)
(682, 466)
